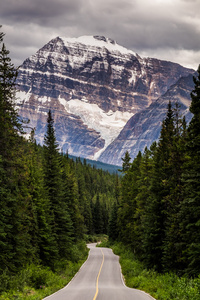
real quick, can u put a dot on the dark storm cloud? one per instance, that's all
(163, 28)
(37, 11)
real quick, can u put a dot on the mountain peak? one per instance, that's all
(104, 39)
(99, 42)
(94, 86)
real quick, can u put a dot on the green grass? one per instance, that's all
(166, 286)
(36, 282)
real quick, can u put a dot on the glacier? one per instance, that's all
(107, 124)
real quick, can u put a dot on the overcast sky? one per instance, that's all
(165, 29)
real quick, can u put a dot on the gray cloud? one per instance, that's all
(166, 29)
(38, 11)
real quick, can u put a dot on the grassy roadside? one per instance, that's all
(36, 282)
(160, 286)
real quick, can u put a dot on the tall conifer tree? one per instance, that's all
(17, 211)
(190, 208)
(60, 218)
(128, 205)
(159, 189)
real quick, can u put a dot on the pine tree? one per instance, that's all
(61, 224)
(1, 35)
(190, 208)
(71, 196)
(15, 202)
(126, 162)
(141, 216)
(9, 119)
(159, 189)
(172, 242)
(41, 231)
(128, 205)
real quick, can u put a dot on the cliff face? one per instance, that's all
(144, 127)
(93, 87)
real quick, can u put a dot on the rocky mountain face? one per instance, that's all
(105, 99)
(144, 127)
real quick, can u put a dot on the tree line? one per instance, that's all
(158, 214)
(48, 202)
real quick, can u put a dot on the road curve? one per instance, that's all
(99, 279)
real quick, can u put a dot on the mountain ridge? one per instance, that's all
(93, 90)
(144, 127)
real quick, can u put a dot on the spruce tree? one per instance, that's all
(190, 208)
(172, 243)
(126, 162)
(15, 202)
(159, 190)
(61, 224)
(41, 231)
(9, 118)
(70, 188)
(128, 205)
(143, 194)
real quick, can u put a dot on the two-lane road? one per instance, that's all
(99, 278)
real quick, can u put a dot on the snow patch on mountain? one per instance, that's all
(107, 124)
(98, 42)
(22, 97)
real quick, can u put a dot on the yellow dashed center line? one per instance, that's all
(97, 282)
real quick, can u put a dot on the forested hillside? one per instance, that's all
(158, 214)
(48, 202)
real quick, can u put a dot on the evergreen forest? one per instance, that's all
(158, 214)
(51, 203)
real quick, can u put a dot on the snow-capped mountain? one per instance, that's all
(93, 87)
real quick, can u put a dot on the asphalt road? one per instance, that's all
(99, 279)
